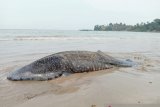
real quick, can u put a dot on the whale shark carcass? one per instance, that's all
(58, 64)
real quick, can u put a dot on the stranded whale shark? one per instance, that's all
(58, 64)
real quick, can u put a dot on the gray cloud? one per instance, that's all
(74, 14)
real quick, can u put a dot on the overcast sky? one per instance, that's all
(74, 14)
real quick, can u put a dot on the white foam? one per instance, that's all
(21, 38)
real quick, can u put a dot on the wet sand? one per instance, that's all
(117, 87)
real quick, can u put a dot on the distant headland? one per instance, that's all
(86, 30)
(153, 26)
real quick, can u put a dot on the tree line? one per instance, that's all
(153, 26)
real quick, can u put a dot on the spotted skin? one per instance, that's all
(67, 62)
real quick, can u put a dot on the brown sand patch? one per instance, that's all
(65, 90)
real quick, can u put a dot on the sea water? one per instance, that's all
(15, 42)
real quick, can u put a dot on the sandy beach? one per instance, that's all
(117, 87)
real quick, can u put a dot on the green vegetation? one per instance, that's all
(153, 26)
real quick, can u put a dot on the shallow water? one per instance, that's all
(25, 41)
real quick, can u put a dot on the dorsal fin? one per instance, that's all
(100, 52)
(108, 57)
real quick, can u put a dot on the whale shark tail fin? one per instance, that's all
(117, 62)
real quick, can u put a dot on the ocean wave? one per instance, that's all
(5, 39)
(20, 38)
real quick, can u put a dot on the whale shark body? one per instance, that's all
(67, 62)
